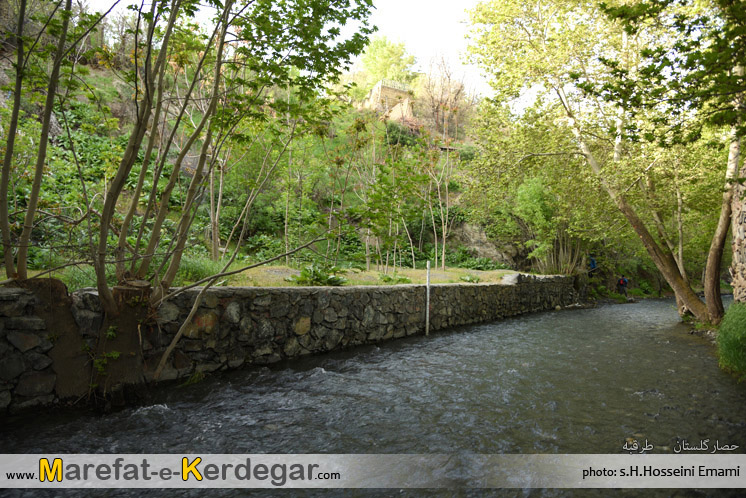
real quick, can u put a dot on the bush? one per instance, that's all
(262, 246)
(636, 292)
(461, 257)
(318, 275)
(472, 279)
(485, 264)
(646, 287)
(394, 279)
(732, 340)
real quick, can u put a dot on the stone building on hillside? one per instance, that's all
(392, 99)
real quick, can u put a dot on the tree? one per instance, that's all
(384, 59)
(552, 44)
(446, 99)
(529, 186)
(696, 67)
(254, 47)
(51, 40)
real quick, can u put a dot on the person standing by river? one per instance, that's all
(593, 266)
(621, 286)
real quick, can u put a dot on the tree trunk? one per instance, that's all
(28, 222)
(680, 230)
(367, 249)
(164, 154)
(130, 154)
(120, 263)
(287, 213)
(435, 230)
(738, 268)
(186, 216)
(411, 244)
(10, 271)
(715, 255)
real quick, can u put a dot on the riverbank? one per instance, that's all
(57, 347)
(554, 383)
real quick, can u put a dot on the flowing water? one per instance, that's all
(577, 381)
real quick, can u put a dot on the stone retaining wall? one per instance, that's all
(43, 361)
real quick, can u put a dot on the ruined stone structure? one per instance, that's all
(390, 98)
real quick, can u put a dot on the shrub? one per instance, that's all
(472, 279)
(262, 246)
(318, 275)
(646, 287)
(636, 292)
(732, 340)
(394, 279)
(461, 257)
(485, 264)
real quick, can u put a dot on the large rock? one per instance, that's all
(280, 306)
(36, 384)
(14, 303)
(369, 316)
(292, 348)
(475, 238)
(303, 325)
(87, 299)
(11, 293)
(210, 301)
(24, 341)
(330, 315)
(89, 322)
(11, 367)
(322, 299)
(264, 331)
(233, 312)
(262, 301)
(332, 339)
(206, 322)
(26, 405)
(168, 312)
(38, 361)
(25, 323)
(4, 399)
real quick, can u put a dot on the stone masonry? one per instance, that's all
(238, 326)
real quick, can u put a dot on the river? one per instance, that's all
(579, 381)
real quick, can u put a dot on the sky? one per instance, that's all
(429, 29)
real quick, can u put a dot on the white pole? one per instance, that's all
(427, 302)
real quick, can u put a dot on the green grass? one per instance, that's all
(197, 267)
(732, 341)
(101, 82)
(620, 298)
